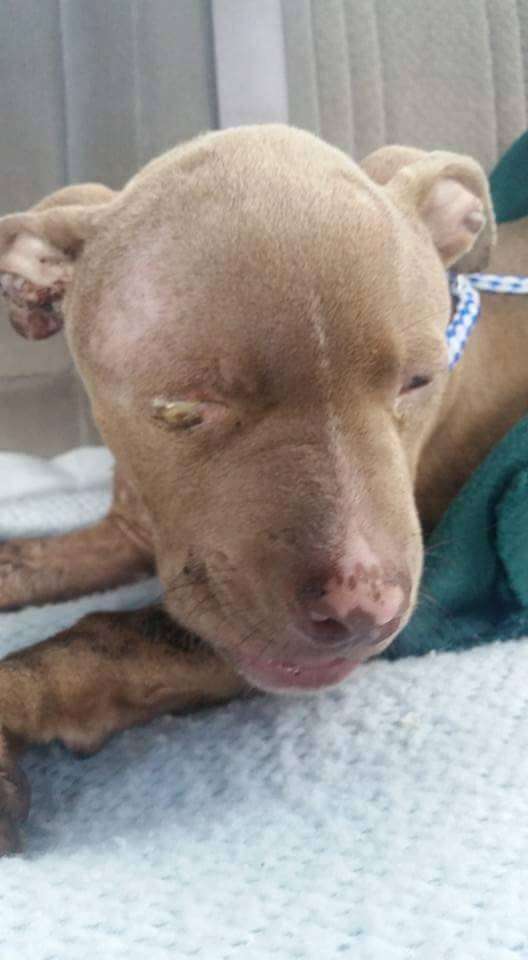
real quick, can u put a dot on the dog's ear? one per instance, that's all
(38, 250)
(449, 192)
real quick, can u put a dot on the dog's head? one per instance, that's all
(260, 325)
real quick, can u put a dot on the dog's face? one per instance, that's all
(260, 326)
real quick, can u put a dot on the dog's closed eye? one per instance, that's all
(187, 414)
(415, 383)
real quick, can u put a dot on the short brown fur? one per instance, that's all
(287, 295)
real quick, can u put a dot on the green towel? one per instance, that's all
(475, 582)
(509, 182)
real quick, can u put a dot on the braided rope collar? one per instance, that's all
(465, 290)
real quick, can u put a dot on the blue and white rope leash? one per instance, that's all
(465, 289)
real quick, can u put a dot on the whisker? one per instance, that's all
(424, 594)
(226, 609)
(422, 319)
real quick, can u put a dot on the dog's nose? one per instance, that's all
(354, 607)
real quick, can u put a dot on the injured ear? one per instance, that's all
(455, 217)
(38, 251)
(449, 192)
(33, 279)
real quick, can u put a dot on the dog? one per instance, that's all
(260, 325)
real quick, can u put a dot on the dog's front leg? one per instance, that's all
(115, 551)
(46, 570)
(108, 672)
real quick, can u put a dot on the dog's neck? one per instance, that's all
(488, 390)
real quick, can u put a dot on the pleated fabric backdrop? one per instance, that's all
(91, 89)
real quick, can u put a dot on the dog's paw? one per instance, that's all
(14, 808)
(10, 839)
(19, 563)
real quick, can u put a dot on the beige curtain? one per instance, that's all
(93, 88)
(90, 90)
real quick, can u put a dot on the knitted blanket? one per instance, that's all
(383, 820)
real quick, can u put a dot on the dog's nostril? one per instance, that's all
(325, 629)
(357, 629)
(355, 607)
(313, 591)
(319, 617)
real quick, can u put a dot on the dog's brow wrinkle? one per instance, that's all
(211, 381)
(332, 422)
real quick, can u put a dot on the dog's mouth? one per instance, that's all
(275, 675)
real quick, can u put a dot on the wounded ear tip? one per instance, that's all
(474, 221)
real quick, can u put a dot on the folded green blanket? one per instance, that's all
(475, 583)
(509, 182)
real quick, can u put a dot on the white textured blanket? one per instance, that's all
(384, 820)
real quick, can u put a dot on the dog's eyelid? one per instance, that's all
(416, 382)
(420, 371)
(177, 414)
(187, 414)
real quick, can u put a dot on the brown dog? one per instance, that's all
(260, 325)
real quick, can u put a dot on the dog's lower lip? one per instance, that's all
(275, 674)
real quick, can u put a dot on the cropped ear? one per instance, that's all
(38, 250)
(449, 192)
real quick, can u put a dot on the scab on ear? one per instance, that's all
(449, 192)
(38, 250)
